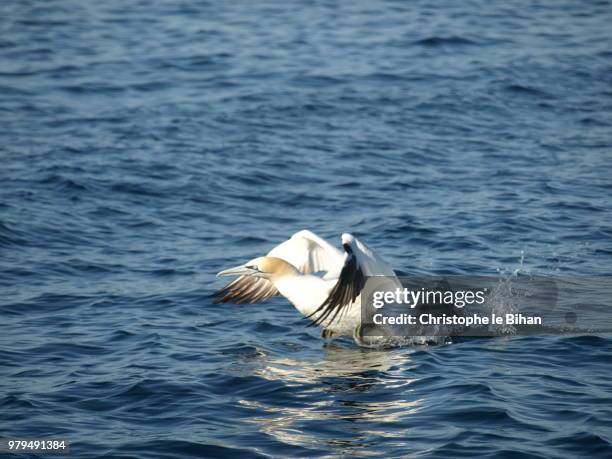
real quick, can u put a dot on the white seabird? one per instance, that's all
(332, 301)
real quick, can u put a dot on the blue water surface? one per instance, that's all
(147, 145)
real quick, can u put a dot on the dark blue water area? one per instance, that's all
(147, 145)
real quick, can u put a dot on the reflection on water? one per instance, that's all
(357, 388)
(337, 361)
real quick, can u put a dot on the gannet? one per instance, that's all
(332, 301)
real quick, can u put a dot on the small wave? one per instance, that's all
(181, 448)
(587, 340)
(64, 183)
(136, 189)
(584, 443)
(317, 81)
(437, 41)
(10, 237)
(68, 350)
(14, 91)
(15, 402)
(151, 86)
(527, 90)
(93, 89)
(195, 63)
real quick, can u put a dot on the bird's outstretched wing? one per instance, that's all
(246, 289)
(310, 254)
(305, 250)
(359, 262)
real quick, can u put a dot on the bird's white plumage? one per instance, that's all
(332, 301)
(369, 262)
(310, 254)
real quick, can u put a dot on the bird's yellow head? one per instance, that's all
(266, 267)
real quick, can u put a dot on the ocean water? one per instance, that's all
(147, 145)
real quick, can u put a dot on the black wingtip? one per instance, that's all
(347, 289)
